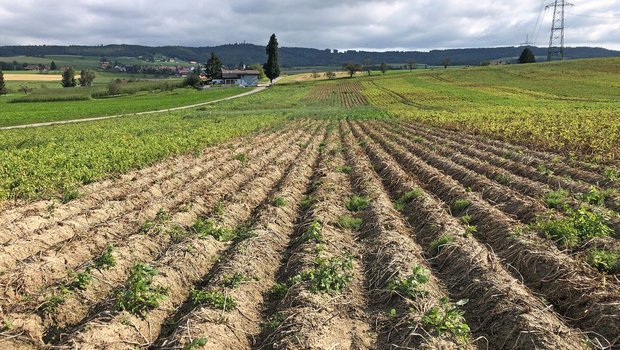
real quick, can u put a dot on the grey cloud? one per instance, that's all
(360, 24)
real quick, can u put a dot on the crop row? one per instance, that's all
(365, 234)
(547, 122)
(167, 223)
(584, 297)
(346, 94)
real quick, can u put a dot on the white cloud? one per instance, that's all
(361, 24)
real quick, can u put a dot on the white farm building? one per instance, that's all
(238, 77)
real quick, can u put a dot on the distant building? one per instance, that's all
(183, 71)
(238, 77)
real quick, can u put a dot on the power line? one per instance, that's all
(611, 16)
(532, 37)
(541, 15)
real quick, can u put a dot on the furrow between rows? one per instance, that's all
(579, 293)
(254, 262)
(151, 245)
(399, 278)
(330, 311)
(181, 267)
(104, 201)
(500, 308)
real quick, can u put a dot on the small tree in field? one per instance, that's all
(114, 87)
(86, 77)
(368, 67)
(315, 75)
(445, 63)
(53, 66)
(527, 56)
(193, 80)
(352, 68)
(411, 65)
(384, 67)
(3, 90)
(68, 78)
(330, 75)
(25, 89)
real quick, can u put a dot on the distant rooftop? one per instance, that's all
(237, 72)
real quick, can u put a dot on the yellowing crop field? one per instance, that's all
(33, 77)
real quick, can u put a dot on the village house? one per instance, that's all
(36, 67)
(183, 71)
(238, 77)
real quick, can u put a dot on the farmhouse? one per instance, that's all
(238, 77)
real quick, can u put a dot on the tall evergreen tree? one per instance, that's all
(527, 56)
(3, 89)
(53, 66)
(272, 68)
(213, 68)
(68, 78)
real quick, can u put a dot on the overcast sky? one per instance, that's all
(344, 24)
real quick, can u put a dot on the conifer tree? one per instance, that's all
(272, 68)
(213, 68)
(527, 56)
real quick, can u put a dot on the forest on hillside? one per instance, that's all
(234, 54)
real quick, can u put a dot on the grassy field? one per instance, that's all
(84, 62)
(37, 112)
(52, 79)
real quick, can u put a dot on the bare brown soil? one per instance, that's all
(322, 320)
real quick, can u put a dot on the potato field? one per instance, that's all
(320, 235)
(324, 221)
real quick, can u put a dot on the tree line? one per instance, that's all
(234, 54)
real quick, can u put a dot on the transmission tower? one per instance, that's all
(556, 42)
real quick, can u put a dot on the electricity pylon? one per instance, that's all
(556, 42)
